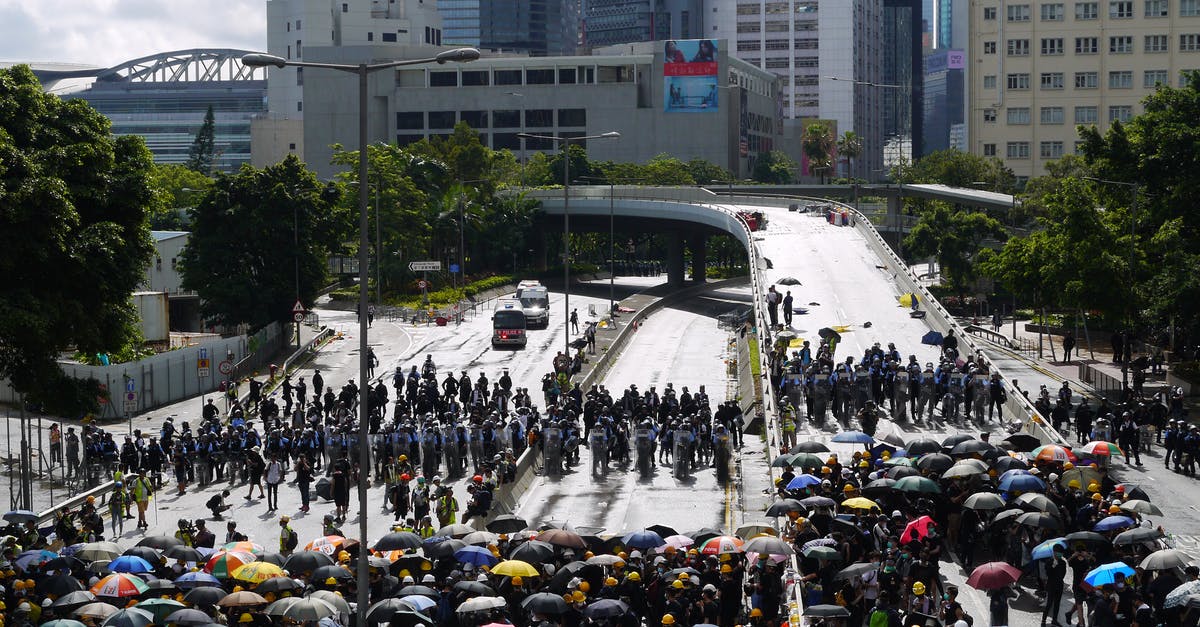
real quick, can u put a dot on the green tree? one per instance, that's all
(241, 257)
(464, 156)
(200, 157)
(580, 165)
(706, 173)
(956, 168)
(666, 170)
(179, 189)
(849, 147)
(74, 242)
(819, 144)
(953, 238)
(1037, 191)
(773, 167)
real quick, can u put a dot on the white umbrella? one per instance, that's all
(309, 609)
(481, 604)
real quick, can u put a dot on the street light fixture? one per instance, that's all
(564, 144)
(1135, 188)
(362, 70)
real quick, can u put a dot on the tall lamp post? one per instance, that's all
(363, 71)
(1132, 234)
(564, 144)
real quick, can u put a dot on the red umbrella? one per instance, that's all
(916, 530)
(993, 576)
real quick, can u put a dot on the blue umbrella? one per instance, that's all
(130, 564)
(1045, 550)
(644, 539)
(1113, 523)
(418, 603)
(20, 516)
(853, 437)
(1024, 483)
(196, 579)
(803, 481)
(434, 540)
(32, 559)
(476, 555)
(1111, 572)
(1014, 472)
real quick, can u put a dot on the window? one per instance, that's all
(1017, 150)
(1154, 78)
(1087, 10)
(572, 117)
(1053, 115)
(1120, 113)
(1156, 43)
(1017, 81)
(345, 7)
(441, 119)
(370, 36)
(299, 76)
(1120, 79)
(1050, 150)
(1053, 80)
(506, 118)
(1052, 46)
(1018, 115)
(474, 78)
(443, 78)
(989, 81)
(539, 77)
(989, 115)
(1189, 43)
(1019, 13)
(1086, 115)
(1018, 47)
(508, 77)
(1121, 44)
(1189, 8)
(989, 13)
(989, 150)
(989, 47)
(1087, 45)
(1052, 12)
(298, 49)
(1087, 80)
(474, 119)
(299, 105)
(566, 76)
(1120, 9)
(410, 120)
(297, 24)
(1157, 8)
(539, 117)
(510, 141)
(388, 37)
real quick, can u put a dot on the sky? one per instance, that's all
(107, 32)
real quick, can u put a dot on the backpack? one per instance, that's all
(292, 540)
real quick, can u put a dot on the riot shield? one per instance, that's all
(598, 447)
(682, 453)
(900, 395)
(721, 455)
(645, 452)
(477, 455)
(451, 452)
(429, 454)
(552, 451)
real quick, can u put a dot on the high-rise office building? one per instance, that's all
(534, 27)
(1040, 70)
(608, 22)
(461, 20)
(945, 95)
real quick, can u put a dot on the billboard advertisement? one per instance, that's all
(690, 76)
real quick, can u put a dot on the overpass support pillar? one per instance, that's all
(697, 244)
(674, 258)
(893, 211)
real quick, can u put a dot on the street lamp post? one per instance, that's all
(564, 144)
(363, 71)
(1135, 188)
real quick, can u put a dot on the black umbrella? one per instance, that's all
(188, 617)
(855, 571)
(446, 548)
(879, 486)
(936, 462)
(278, 584)
(1005, 463)
(185, 553)
(145, 552)
(72, 600)
(324, 489)
(205, 595)
(788, 280)
(411, 563)
(418, 590)
(534, 552)
(1039, 520)
(337, 572)
(129, 617)
(1086, 537)
(1021, 442)
(704, 534)
(507, 523)
(828, 333)
(921, 446)
(780, 508)
(809, 446)
(825, 611)
(59, 585)
(278, 558)
(1137, 535)
(306, 561)
(398, 541)
(475, 587)
(606, 608)
(593, 573)
(158, 542)
(159, 587)
(62, 562)
(383, 611)
(970, 447)
(900, 472)
(662, 530)
(1132, 491)
(545, 603)
(1007, 515)
(952, 441)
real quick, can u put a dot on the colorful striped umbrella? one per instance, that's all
(257, 572)
(1100, 448)
(120, 585)
(329, 545)
(722, 545)
(245, 547)
(223, 563)
(1052, 453)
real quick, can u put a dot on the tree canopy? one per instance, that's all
(204, 148)
(953, 237)
(178, 188)
(74, 240)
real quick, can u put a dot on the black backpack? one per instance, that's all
(292, 540)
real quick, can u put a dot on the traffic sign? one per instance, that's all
(130, 385)
(454, 268)
(130, 402)
(422, 285)
(424, 266)
(225, 367)
(298, 307)
(298, 316)
(203, 365)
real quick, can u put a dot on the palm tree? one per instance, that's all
(818, 144)
(849, 147)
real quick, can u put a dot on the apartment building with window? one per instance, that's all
(1038, 70)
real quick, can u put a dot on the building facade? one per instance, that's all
(534, 27)
(945, 98)
(609, 22)
(727, 115)
(1038, 71)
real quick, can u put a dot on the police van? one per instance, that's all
(535, 302)
(508, 323)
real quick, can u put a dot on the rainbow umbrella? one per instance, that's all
(223, 563)
(329, 545)
(1052, 453)
(120, 585)
(245, 547)
(1100, 448)
(721, 545)
(257, 572)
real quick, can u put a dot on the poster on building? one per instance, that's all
(690, 76)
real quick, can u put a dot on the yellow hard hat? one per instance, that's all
(677, 584)
(585, 586)
(1114, 509)
(517, 581)
(567, 597)
(402, 458)
(864, 464)
(246, 618)
(331, 582)
(919, 588)
(756, 613)
(1068, 465)
(668, 619)
(633, 576)
(623, 555)
(726, 568)
(885, 455)
(1073, 484)
(404, 573)
(1093, 487)
(832, 460)
(618, 565)
(578, 596)
(693, 552)
(825, 470)
(848, 488)
(589, 555)
(611, 581)
(1096, 497)
(683, 576)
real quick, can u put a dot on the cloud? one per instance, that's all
(107, 32)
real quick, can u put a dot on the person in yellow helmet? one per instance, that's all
(921, 603)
